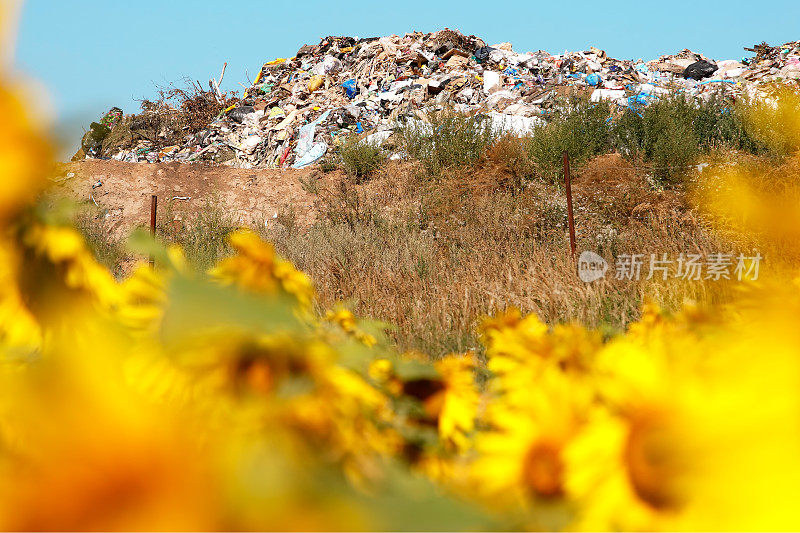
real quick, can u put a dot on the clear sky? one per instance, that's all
(94, 54)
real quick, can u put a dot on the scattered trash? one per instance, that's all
(240, 114)
(112, 118)
(92, 141)
(297, 108)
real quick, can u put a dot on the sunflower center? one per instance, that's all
(543, 469)
(655, 461)
(253, 374)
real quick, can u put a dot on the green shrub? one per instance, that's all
(669, 134)
(662, 133)
(449, 140)
(360, 159)
(720, 123)
(579, 128)
(328, 165)
(672, 131)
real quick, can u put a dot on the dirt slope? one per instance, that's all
(123, 191)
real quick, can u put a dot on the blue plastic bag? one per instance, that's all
(638, 100)
(594, 80)
(350, 88)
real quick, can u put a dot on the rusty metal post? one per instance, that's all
(153, 209)
(570, 216)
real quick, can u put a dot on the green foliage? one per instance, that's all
(448, 141)
(328, 165)
(360, 159)
(669, 134)
(672, 131)
(660, 134)
(580, 128)
(720, 123)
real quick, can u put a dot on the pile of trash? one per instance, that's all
(298, 108)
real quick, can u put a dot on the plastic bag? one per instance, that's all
(491, 79)
(312, 155)
(315, 83)
(699, 70)
(594, 79)
(350, 88)
(306, 135)
(482, 53)
(239, 114)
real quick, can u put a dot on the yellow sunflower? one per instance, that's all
(257, 268)
(520, 465)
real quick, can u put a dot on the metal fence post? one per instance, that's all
(570, 216)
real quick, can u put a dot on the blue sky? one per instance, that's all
(94, 54)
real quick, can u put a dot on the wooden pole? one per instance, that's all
(570, 216)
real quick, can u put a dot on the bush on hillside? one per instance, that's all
(449, 140)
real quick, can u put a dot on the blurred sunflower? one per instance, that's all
(520, 447)
(257, 268)
(24, 156)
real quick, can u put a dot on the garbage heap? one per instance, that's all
(298, 108)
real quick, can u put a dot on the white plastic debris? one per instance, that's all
(376, 139)
(250, 143)
(608, 94)
(514, 124)
(491, 79)
(312, 155)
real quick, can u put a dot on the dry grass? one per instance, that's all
(178, 111)
(203, 234)
(110, 251)
(616, 190)
(432, 259)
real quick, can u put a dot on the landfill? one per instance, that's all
(297, 109)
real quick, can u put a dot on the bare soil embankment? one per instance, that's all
(123, 190)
